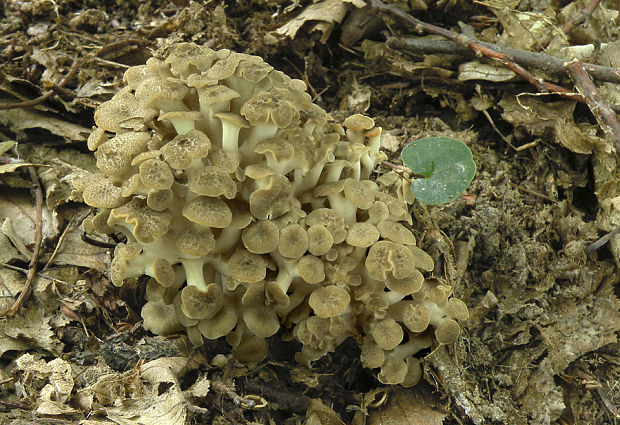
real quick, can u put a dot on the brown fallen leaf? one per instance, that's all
(412, 406)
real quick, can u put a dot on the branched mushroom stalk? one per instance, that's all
(250, 209)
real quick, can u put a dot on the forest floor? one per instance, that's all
(541, 344)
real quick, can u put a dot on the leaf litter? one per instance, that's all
(541, 346)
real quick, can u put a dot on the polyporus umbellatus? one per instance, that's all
(251, 210)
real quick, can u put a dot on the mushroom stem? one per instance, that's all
(308, 181)
(287, 270)
(230, 137)
(226, 240)
(437, 315)
(258, 133)
(334, 170)
(343, 207)
(193, 273)
(411, 347)
(367, 165)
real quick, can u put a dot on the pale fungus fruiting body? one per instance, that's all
(251, 210)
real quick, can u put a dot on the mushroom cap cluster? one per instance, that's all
(251, 210)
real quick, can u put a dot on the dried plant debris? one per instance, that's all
(518, 247)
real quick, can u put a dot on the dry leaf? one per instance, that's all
(538, 118)
(159, 404)
(32, 324)
(412, 406)
(20, 120)
(326, 13)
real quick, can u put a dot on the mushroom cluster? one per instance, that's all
(251, 210)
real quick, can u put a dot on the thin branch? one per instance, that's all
(38, 237)
(29, 103)
(25, 271)
(601, 110)
(549, 64)
(581, 17)
(479, 50)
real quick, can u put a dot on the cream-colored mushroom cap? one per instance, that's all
(406, 286)
(332, 221)
(447, 332)
(414, 372)
(359, 122)
(360, 193)
(156, 174)
(362, 234)
(458, 309)
(217, 94)
(99, 192)
(387, 334)
(160, 318)
(393, 371)
(183, 149)
(385, 256)
(278, 149)
(121, 113)
(165, 94)
(320, 240)
(147, 224)
(114, 156)
(293, 241)
(247, 267)
(311, 269)
(273, 200)
(416, 317)
(210, 180)
(181, 117)
(422, 259)
(234, 119)
(329, 301)
(258, 316)
(225, 66)
(195, 242)
(318, 326)
(270, 106)
(221, 324)
(136, 74)
(159, 200)
(122, 254)
(378, 212)
(163, 272)
(396, 232)
(227, 161)
(189, 58)
(241, 217)
(261, 237)
(198, 304)
(212, 212)
(372, 355)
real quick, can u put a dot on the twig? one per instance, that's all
(63, 236)
(246, 402)
(601, 110)
(602, 241)
(549, 64)
(479, 50)
(38, 237)
(579, 18)
(396, 167)
(25, 271)
(29, 103)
